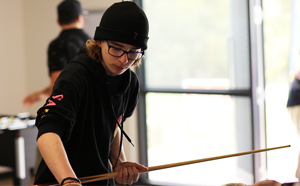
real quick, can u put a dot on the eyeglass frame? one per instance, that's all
(109, 46)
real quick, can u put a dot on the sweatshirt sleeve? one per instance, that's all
(59, 112)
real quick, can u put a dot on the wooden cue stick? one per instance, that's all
(212, 158)
(159, 167)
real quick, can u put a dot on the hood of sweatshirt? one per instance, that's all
(98, 71)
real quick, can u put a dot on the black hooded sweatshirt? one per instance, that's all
(83, 110)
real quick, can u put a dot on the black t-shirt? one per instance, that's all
(294, 94)
(64, 48)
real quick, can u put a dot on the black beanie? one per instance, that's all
(124, 22)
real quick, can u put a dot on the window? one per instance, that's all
(197, 92)
(281, 54)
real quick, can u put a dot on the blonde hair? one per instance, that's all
(94, 52)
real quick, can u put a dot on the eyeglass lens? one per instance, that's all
(118, 53)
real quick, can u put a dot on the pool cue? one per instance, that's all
(159, 167)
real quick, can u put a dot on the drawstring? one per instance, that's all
(121, 127)
(121, 140)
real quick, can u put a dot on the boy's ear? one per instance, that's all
(99, 43)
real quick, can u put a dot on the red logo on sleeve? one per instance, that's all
(58, 97)
(52, 103)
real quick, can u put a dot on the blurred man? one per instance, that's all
(64, 48)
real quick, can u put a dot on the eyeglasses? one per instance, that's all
(117, 52)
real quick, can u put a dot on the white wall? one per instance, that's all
(27, 27)
(12, 57)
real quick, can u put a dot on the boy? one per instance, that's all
(81, 124)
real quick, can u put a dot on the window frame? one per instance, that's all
(255, 93)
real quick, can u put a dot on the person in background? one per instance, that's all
(293, 108)
(80, 127)
(293, 102)
(63, 48)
